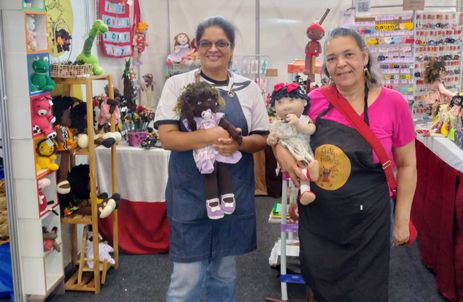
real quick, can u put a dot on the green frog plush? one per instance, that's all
(40, 79)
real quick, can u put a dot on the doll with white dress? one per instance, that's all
(292, 129)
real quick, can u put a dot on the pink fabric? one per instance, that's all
(389, 116)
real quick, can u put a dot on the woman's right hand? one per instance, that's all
(289, 164)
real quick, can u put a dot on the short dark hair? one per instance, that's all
(432, 71)
(218, 21)
(297, 93)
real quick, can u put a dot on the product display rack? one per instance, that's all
(86, 278)
(41, 269)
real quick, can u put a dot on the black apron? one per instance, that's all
(345, 233)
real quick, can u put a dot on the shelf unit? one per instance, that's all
(85, 278)
(287, 245)
(41, 273)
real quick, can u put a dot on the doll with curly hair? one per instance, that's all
(434, 76)
(198, 108)
(292, 130)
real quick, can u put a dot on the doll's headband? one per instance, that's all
(291, 90)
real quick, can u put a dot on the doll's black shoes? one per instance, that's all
(228, 203)
(214, 211)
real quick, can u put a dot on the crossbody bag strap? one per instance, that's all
(343, 106)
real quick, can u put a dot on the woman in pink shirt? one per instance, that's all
(345, 234)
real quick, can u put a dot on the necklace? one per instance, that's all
(228, 81)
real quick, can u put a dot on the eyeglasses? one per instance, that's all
(221, 44)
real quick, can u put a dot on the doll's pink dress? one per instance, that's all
(205, 157)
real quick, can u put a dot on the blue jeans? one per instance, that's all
(217, 277)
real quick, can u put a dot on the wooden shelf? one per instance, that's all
(77, 219)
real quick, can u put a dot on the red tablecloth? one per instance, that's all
(141, 178)
(438, 215)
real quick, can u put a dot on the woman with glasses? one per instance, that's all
(203, 250)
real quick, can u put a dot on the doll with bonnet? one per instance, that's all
(292, 130)
(198, 109)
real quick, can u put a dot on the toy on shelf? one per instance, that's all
(45, 157)
(31, 32)
(42, 117)
(198, 107)
(49, 239)
(139, 41)
(104, 250)
(86, 54)
(41, 185)
(181, 49)
(292, 130)
(147, 88)
(40, 79)
(107, 204)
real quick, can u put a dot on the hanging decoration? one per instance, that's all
(117, 41)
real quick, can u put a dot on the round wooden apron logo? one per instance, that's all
(335, 167)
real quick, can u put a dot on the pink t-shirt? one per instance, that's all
(389, 117)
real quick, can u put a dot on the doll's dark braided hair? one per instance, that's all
(290, 90)
(195, 98)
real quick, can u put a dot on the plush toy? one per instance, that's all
(181, 49)
(40, 79)
(42, 117)
(198, 108)
(315, 33)
(45, 157)
(106, 108)
(139, 41)
(148, 88)
(150, 140)
(292, 130)
(31, 33)
(107, 204)
(49, 239)
(41, 185)
(104, 250)
(86, 54)
(79, 180)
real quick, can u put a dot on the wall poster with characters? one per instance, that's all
(117, 41)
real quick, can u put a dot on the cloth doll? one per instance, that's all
(139, 41)
(148, 91)
(292, 130)
(181, 49)
(31, 33)
(42, 116)
(315, 33)
(104, 250)
(198, 109)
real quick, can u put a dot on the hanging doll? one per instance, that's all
(139, 41)
(181, 49)
(292, 130)
(148, 91)
(315, 33)
(198, 109)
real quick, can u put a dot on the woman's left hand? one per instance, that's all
(226, 146)
(401, 233)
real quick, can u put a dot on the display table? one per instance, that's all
(438, 212)
(141, 182)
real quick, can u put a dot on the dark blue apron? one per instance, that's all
(193, 236)
(344, 234)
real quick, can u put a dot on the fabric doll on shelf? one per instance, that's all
(198, 109)
(292, 130)
(434, 76)
(31, 33)
(139, 41)
(181, 49)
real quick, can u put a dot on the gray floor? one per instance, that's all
(146, 277)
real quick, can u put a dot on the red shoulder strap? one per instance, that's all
(343, 106)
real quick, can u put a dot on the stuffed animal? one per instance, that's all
(198, 109)
(106, 108)
(40, 79)
(31, 33)
(139, 41)
(292, 130)
(79, 180)
(315, 33)
(45, 157)
(86, 55)
(49, 239)
(41, 185)
(181, 49)
(42, 117)
(107, 204)
(104, 250)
